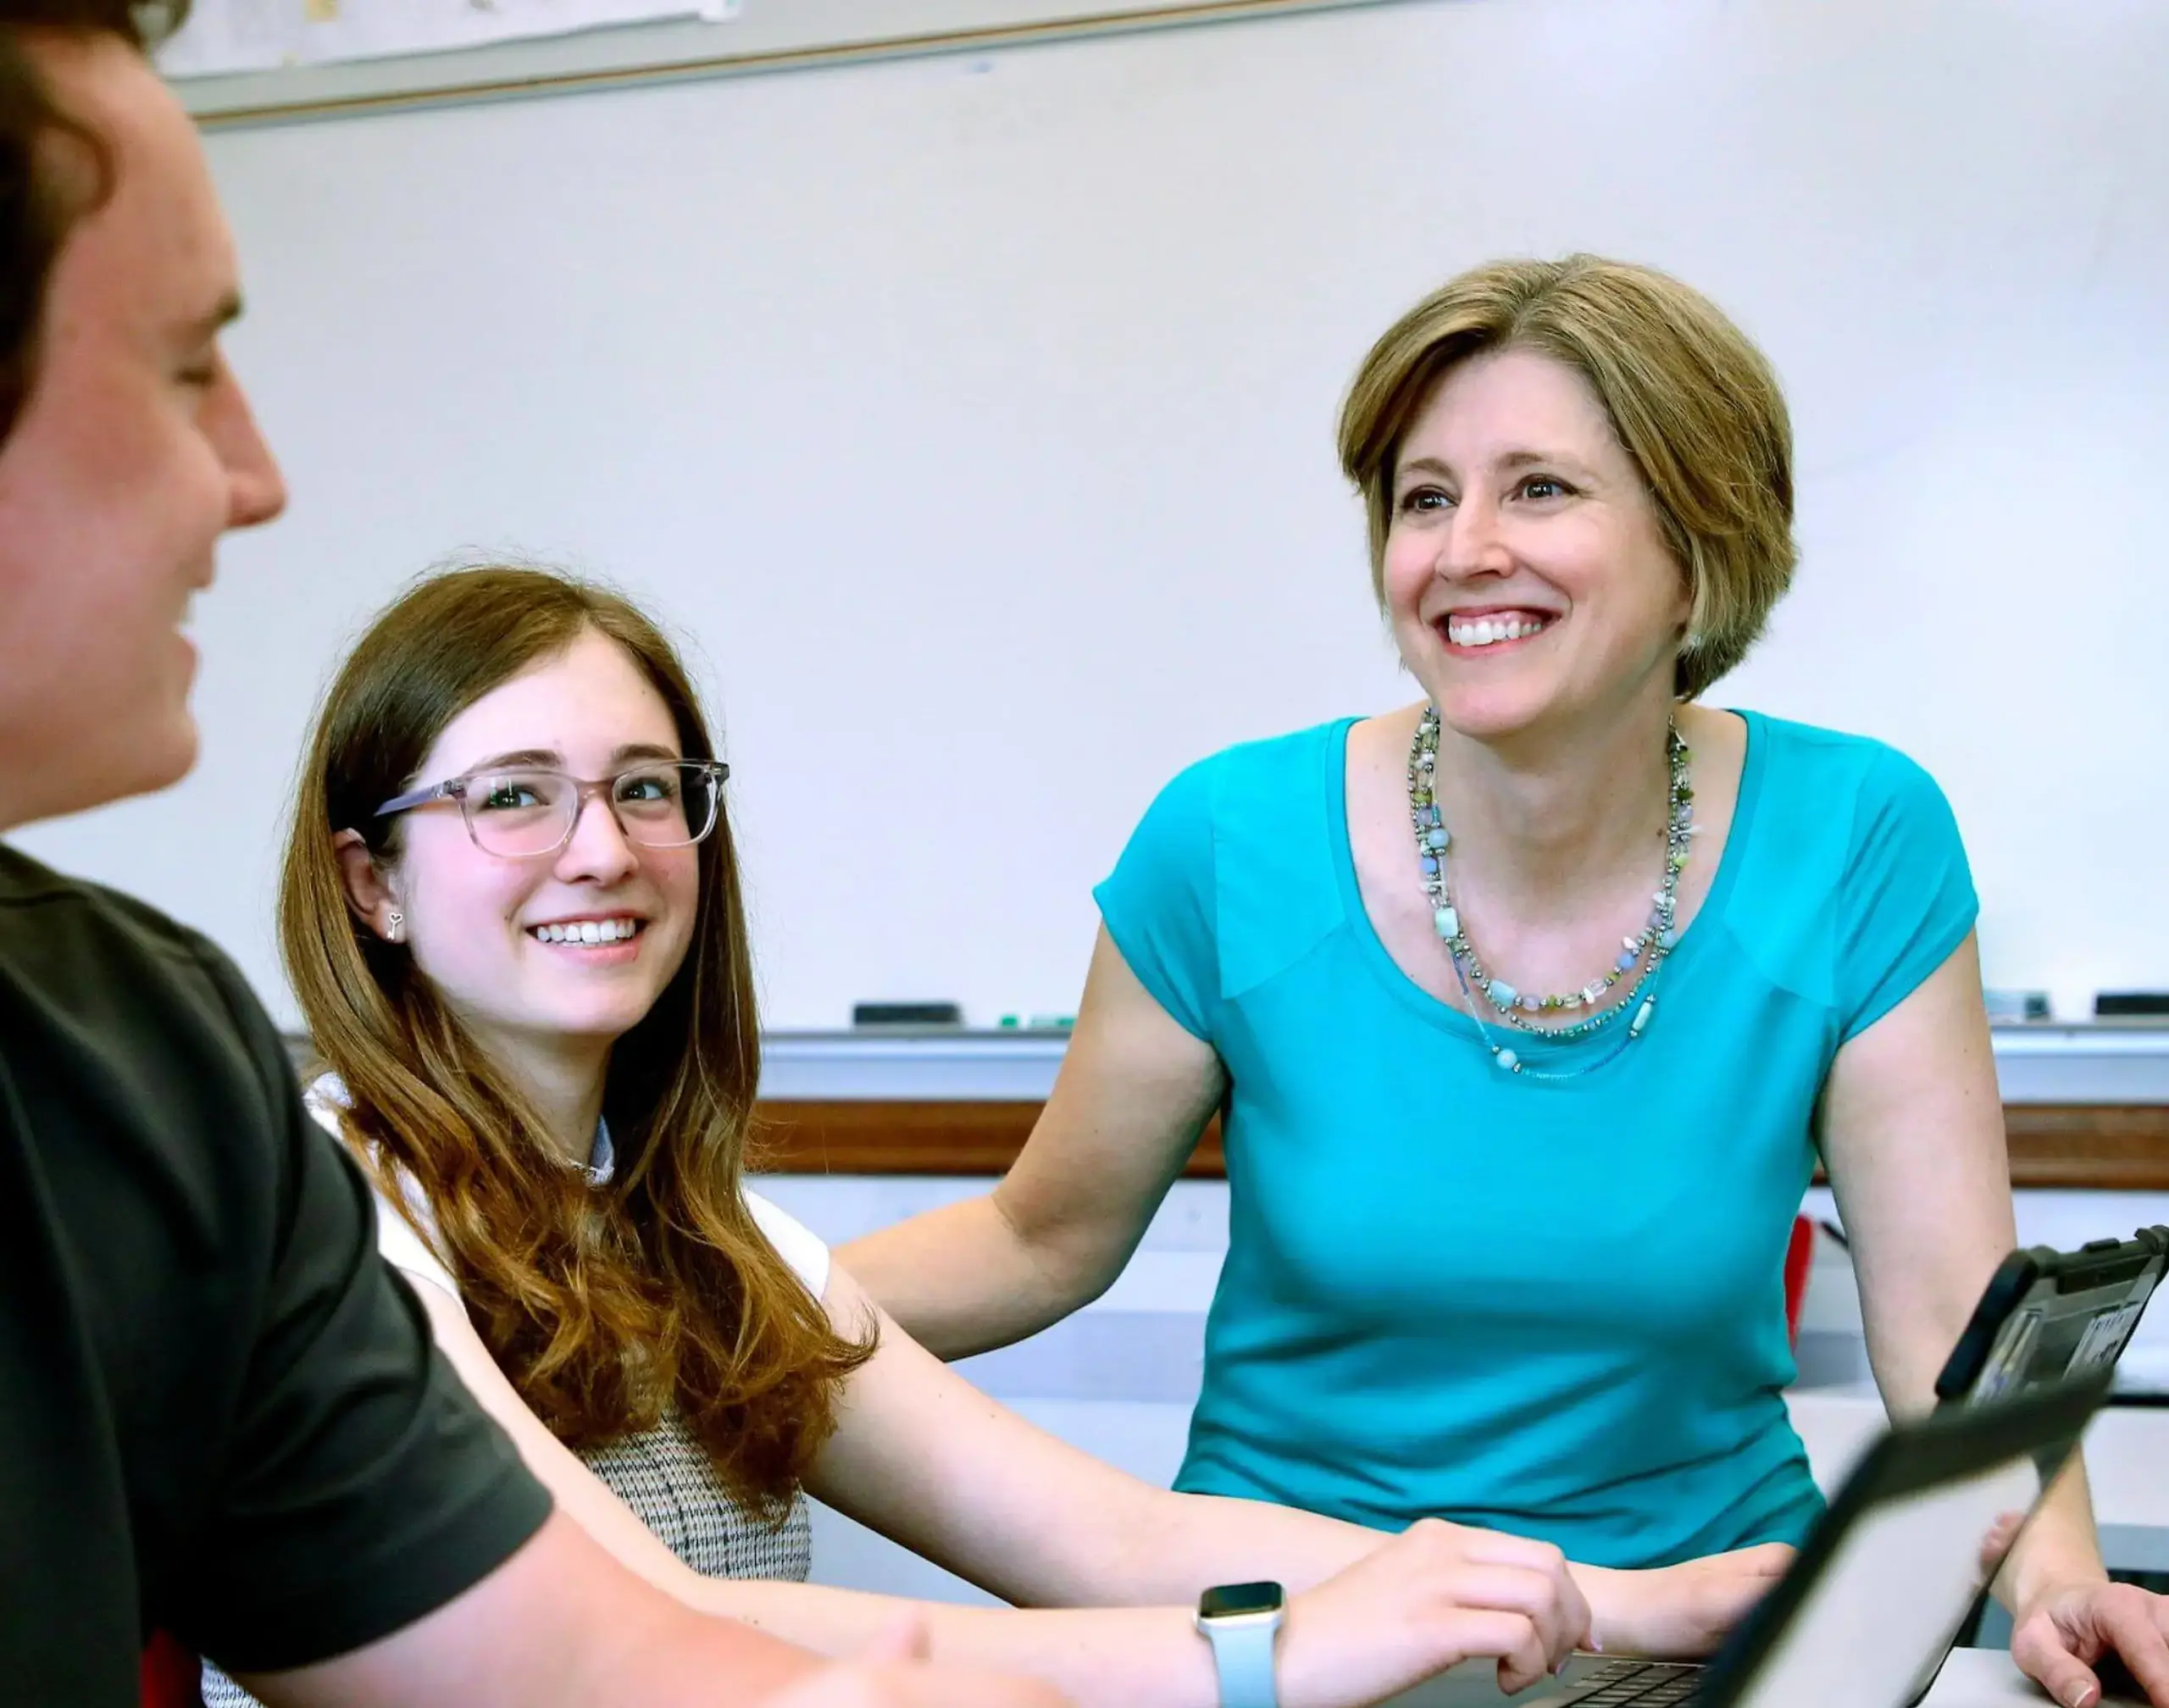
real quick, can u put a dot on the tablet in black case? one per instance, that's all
(2047, 1316)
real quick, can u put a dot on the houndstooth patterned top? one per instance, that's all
(666, 1478)
(660, 1473)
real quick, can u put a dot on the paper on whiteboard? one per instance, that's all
(224, 36)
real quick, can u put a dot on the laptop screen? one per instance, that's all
(1880, 1618)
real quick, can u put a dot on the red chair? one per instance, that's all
(172, 1677)
(1800, 1260)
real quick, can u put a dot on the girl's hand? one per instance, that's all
(1435, 1595)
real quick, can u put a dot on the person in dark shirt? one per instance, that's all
(223, 1430)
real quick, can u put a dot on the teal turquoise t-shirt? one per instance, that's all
(1553, 1308)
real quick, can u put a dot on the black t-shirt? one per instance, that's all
(220, 1416)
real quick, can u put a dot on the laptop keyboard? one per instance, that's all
(1635, 1684)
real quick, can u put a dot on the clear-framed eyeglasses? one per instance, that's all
(527, 812)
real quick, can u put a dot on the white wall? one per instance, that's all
(974, 415)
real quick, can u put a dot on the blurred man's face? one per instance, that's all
(134, 451)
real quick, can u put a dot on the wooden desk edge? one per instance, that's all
(2093, 1146)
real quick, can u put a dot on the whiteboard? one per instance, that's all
(973, 415)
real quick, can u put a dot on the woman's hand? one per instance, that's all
(2068, 1629)
(1679, 1613)
(1433, 1596)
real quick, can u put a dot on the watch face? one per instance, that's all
(1227, 1600)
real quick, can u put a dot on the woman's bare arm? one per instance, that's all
(1134, 1091)
(1912, 1132)
(1412, 1606)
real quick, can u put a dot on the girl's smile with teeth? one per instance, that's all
(587, 931)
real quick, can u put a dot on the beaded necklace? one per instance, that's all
(1645, 952)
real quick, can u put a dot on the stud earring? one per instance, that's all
(395, 926)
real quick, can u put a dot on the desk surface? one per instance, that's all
(2126, 1446)
(1982, 1678)
(1970, 1678)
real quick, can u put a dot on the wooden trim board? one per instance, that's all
(2105, 1147)
(2100, 1146)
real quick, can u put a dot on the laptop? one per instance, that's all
(2046, 1336)
(1867, 1613)
(2049, 1323)
(2046, 1316)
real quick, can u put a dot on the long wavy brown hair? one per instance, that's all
(602, 1307)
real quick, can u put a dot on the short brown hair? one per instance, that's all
(37, 208)
(604, 1310)
(1695, 404)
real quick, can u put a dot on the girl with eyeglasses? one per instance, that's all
(511, 913)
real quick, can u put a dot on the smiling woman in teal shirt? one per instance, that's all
(1551, 1307)
(1530, 1007)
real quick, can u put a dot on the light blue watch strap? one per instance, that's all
(1242, 1651)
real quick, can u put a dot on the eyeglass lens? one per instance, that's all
(524, 812)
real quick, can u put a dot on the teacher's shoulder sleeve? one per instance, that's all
(359, 1487)
(1906, 899)
(1159, 902)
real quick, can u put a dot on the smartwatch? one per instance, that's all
(1241, 1621)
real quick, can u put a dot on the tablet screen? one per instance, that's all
(1880, 1618)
